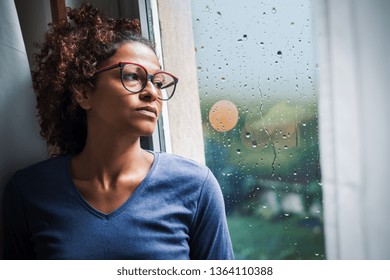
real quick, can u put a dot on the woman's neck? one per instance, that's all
(107, 159)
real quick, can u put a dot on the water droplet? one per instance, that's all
(248, 134)
(274, 10)
(238, 151)
(286, 214)
(279, 53)
(207, 9)
(265, 206)
(254, 144)
(219, 14)
(245, 36)
(285, 147)
(295, 173)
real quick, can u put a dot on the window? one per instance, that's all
(257, 81)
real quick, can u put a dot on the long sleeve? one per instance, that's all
(209, 237)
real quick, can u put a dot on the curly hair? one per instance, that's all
(68, 60)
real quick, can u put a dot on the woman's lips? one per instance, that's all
(147, 111)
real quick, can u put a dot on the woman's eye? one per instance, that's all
(130, 77)
(158, 84)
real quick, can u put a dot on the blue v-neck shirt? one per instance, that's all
(177, 212)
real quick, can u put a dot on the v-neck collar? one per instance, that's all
(133, 197)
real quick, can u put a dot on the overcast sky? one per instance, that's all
(246, 44)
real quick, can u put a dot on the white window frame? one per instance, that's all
(151, 29)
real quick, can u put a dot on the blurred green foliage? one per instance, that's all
(272, 149)
(255, 238)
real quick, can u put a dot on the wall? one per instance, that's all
(179, 58)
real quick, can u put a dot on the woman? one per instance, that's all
(100, 88)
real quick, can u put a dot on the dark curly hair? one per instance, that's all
(70, 55)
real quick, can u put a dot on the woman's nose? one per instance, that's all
(150, 92)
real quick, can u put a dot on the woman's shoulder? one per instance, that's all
(176, 164)
(42, 170)
(181, 171)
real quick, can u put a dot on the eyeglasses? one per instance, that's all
(134, 78)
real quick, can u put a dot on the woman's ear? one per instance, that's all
(81, 95)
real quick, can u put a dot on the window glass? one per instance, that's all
(258, 88)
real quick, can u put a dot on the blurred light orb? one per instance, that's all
(223, 115)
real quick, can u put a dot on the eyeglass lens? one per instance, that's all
(134, 79)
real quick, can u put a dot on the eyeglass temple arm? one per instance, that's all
(170, 84)
(108, 68)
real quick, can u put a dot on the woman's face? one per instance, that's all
(112, 107)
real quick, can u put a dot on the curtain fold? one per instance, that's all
(20, 142)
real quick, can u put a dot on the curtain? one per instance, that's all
(20, 142)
